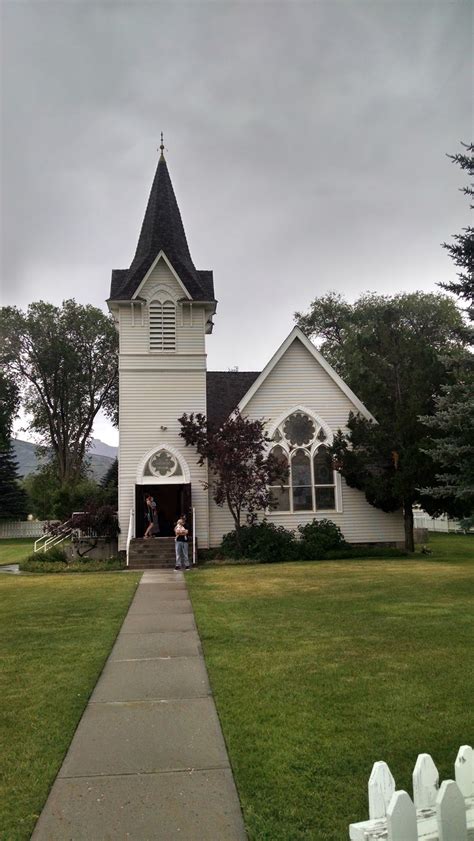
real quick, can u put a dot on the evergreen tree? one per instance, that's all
(110, 478)
(13, 500)
(462, 250)
(109, 483)
(452, 444)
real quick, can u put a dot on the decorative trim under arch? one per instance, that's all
(304, 409)
(143, 479)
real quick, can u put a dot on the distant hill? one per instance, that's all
(99, 448)
(101, 457)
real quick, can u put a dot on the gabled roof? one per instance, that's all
(297, 335)
(224, 390)
(162, 230)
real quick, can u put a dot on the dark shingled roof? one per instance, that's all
(225, 390)
(162, 230)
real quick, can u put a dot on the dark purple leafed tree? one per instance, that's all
(238, 461)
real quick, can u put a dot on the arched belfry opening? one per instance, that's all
(165, 475)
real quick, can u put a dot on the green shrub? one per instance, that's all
(262, 542)
(55, 555)
(33, 565)
(206, 555)
(319, 537)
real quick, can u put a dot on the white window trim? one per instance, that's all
(311, 451)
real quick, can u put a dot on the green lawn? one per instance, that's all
(56, 634)
(15, 549)
(319, 669)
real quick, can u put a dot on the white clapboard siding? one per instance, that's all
(299, 380)
(136, 323)
(148, 400)
(436, 813)
(162, 373)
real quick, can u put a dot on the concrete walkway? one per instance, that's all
(148, 761)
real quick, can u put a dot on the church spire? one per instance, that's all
(162, 230)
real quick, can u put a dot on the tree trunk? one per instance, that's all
(408, 523)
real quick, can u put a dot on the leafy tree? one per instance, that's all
(64, 361)
(41, 487)
(395, 353)
(13, 500)
(51, 500)
(462, 250)
(236, 455)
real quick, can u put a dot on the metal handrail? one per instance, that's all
(194, 535)
(43, 537)
(131, 523)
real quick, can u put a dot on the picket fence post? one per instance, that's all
(464, 770)
(451, 813)
(381, 789)
(401, 818)
(425, 782)
(436, 813)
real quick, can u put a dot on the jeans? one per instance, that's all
(182, 553)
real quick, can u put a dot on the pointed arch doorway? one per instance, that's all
(165, 475)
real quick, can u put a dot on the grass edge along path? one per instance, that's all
(57, 632)
(320, 669)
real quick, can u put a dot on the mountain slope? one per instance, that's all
(29, 462)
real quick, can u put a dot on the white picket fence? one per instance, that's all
(436, 813)
(443, 524)
(25, 528)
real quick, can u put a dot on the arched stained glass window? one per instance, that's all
(163, 464)
(311, 484)
(299, 430)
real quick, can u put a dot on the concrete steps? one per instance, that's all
(152, 553)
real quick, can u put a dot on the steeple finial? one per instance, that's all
(162, 147)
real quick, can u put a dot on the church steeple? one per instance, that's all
(162, 230)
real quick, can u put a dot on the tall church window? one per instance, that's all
(310, 484)
(280, 494)
(324, 486)
(301, 481)
(162, 326)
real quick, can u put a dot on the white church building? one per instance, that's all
(164, 309)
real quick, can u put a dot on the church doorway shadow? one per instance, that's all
(171, 502)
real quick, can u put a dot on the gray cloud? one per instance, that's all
(306, 143)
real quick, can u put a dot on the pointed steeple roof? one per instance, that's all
(162, 230)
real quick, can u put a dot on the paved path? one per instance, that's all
(148, 761)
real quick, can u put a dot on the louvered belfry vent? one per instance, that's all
(163, 326)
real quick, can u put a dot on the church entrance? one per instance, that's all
(171, 502)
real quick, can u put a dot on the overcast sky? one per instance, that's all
(306, 143)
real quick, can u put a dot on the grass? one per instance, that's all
(15, 549)
(56, 633)
(320, 669)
